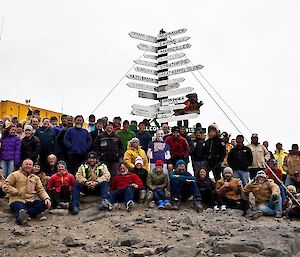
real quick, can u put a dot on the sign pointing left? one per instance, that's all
(143, 37)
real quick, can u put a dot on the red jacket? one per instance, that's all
(178, 147)
(123, 181)
(57, 181)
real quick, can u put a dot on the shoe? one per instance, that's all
(216, 208)
(23, 217)
(168, 205)
(149, 196)
(151, 204)
(176, 204)
(161, 205)
(223, 207)
(129, 205)
(197, 205)
(278, 215)
(255, 215)
(63, 205)
(106, 204)
(74, 210)
(142, 196)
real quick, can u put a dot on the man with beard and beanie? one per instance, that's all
(260, 156)
(183, 185)
(78, 141)
(267, 196)
(239, 159)
(179, 147)
(92, 178)
(229, 190)
(214, 151)
(26, 194)
(109, 148)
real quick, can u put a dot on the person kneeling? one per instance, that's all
(183, 185)
(60, 186)
(92, 178)
(292, 203)
(122, 188)
(267, 196)
(27, 196)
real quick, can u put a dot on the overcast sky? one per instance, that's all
(78, 50)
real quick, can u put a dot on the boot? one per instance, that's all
(168, 205)
(197, 204)
(161, 205)
(176, 204)
(142, 196)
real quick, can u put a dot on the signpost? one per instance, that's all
(173, 49)
(142, 86)
(150, 56)
(179, 117)
(147, 95)
(173, 64)
(145, 63)
(178, 71)
(144, 70)
(141, 78)
(177, 91)
(143, 37)
(173, 41)
(170, 81)
(172, 33)
(147, 48)
(176, 100)
(170, 57)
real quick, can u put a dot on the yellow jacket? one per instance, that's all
(279, 157)
(21, 187)
(131, 154)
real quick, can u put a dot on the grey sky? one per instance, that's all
(81, 49)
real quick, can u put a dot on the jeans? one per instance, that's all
(270, 209)
(126, 194)
(101, 190)
(243, 175)
(33, 208)
(181, 189)
(159, 194)
(8, 166)
(63, 196)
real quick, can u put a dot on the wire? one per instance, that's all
(1, 29)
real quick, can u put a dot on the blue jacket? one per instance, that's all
(182, 176)
(77, 140)
(145, 138)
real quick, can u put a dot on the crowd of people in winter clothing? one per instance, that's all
(49, 165)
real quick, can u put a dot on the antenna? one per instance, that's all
(1, 28)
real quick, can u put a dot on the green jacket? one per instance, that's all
(157, 179)
(125, 137)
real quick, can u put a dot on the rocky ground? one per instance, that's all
(147, 232)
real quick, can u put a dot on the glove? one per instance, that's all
(275, 199)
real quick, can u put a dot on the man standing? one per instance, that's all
(78, 141)
(292, 165)
(239, 159)
(60, 140)
(279, 156)
(30, 145)
(144, 137)
(125, 134)
(27, 196)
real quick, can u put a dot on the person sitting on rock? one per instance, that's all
(292, 204)
(91, 178)
(142, 174)
(157, 182)
(123, 187)
(183, 185)
(27, 196)
(60, 186)
(229, 190)
(267, 196)
(207, 189)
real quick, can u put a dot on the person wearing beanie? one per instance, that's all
(267, 196)
(42, 175)
(133, 151)
(214, 151)
(92, 178)
(183, 185)
(157, 182)
(291, 204)
(60, 186)
(30, 145)
(229, 190)
(142, 174)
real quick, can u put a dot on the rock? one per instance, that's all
(149, 220)
(70, 242)
(201, 245)
(274, 253)
(16, 244)
(143, 252)
(39, 244)
(59, 212)
(94, 218)
(125, 228)
(185, 227)
(186, 235)
(183, 251)
(148, 215)
(188, 221)
(129, 241)
(234, 245)
(19, 231)
(162, 249)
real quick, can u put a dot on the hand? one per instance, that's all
(48, 203)
(275, 199)
(134, 185)
(226, 184)
(89, 184)
(239, 184)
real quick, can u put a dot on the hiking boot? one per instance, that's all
(151, 204)
(176, 204)
(63, 205)
(197, 205)
(216, 208)
(142, 196)
(278, 215)
(161, 205)
(106, 204)
(256, 215)
(74, 210)
(23, 217)
(168, 205)
(129, 205)
(223, 208)
(149, 196)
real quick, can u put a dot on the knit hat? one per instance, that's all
(261, 173)
(175, 129)
(228, 170)
(291, 188)
(92, 154)
(62, 163)
(138, 160)
(159, 162)
(28, 127)
(215, 126)
(180, 162)
(254, 135)
(135, 140)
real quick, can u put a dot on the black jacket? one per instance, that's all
(108, 147)
(205, 184)
(214, 150)
(240, 158)
(30, 148)
(196, 152)
(142, 173)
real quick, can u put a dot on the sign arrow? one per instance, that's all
(147, 95)
(172, 107)
(143, 37)
(147, 48)
(143, 113)
(144, 70)
(172, 33)
(178, 71)
(167, 87)
(170, 57)
(142, 86)
(145, 63)
(173, 49)
(145, 108)
(173, 41)
(172, 64)
(164, 114)
(177, 91)
(170, 81)
(179, 117)
(176, 100)
(150, 56)
(141, 78)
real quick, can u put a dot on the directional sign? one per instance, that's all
(167, 87)
(142, 86)
(143, 37)
(172, 107)
(173, 49)
(173, 41)
(147, 95)
(141, 78)
(170, 57)
(145, 63)
(143, 113)
(147, 48)
(172, 33)
(176, 100)
(179, 117)
(163, 114)
(144, 70)
(150, 56)
(145, 108)
(178, 71)
(170, 81)
(177, 91)
(172, 64)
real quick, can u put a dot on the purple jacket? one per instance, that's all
(10, 149)
(158, 149)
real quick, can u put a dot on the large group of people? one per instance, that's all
(44, 164)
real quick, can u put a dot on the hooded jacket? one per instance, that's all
(158, 150)
(58, 180)
(178, 146)
(122, 181)
(292, 163)
(30, 148)
(131, 154)
(10, 149)
(232, 192)
(86, 173)
(47, 138)
(240, 158)
(214, 150)
(279, 157)
(260, 155)
(157, 179)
